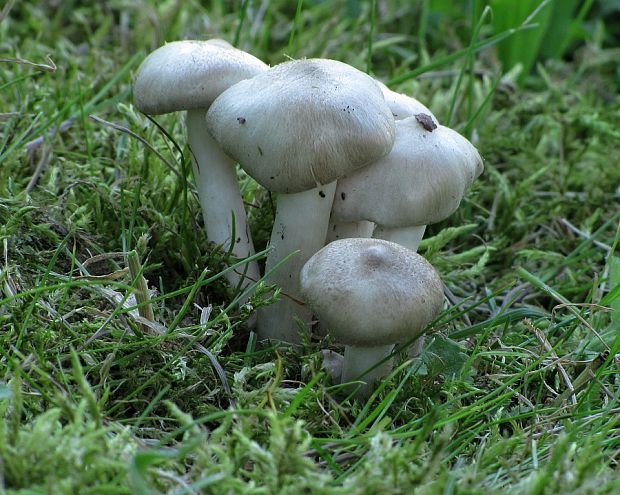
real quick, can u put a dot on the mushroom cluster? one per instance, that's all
(352, 162)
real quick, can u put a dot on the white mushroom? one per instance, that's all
(402, 107)
(371, 294)
(421, 181)
(189, 75)
(297, 128)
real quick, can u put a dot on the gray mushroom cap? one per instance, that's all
(421, 181)
(371, 292)
(187, 75)
(303, 123)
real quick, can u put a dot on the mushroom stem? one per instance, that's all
(348, 230)
(300, 225)
(415, 349)
(408, 237)
(358, 360)
(219, 196)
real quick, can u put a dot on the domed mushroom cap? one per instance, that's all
(371, 292)
(303, 123)
(403, 106)
(186, 75)
(421, 181)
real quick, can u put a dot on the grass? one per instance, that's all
(517, 388)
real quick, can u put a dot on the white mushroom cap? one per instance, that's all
(421, 181)
(303, 123)
(403, 106)
(371, 292)
(187, 75)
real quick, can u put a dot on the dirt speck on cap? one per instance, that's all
(427, 121)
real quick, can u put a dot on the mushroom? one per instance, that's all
(421, 181)
(402, 107)
(295, 129)
(189, 75)
(371, 294)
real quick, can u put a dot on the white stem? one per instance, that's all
(415, 348)
(218, 192)
(332, 362)
(300, 225)
(358, 360)
(408, 237)
(348, 230)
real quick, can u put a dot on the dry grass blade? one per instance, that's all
(9, 286)
(4, 13)
(8, 116)
(35, 143)
(102, 257)
(571, 307)
(584, 235)
(141, 289)
(41, 166)
(585, 377)
(219, 370)
(108, 276)
(50, 66)
(540, 336)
